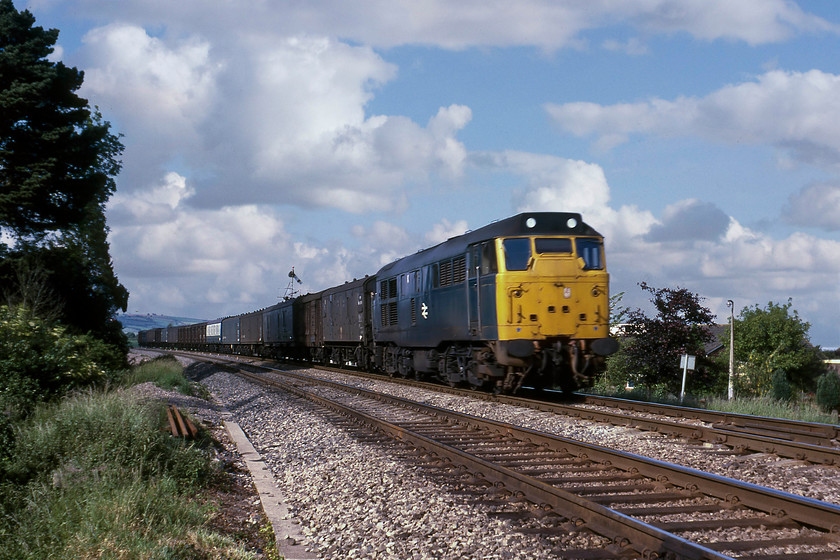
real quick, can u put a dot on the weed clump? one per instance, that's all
(94, 476)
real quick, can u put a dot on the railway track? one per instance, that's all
(826, 435)
(804, 441)
(645, 508)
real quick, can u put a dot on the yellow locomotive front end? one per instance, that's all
(552, 302)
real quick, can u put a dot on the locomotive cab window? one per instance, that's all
(517, 253)
(560, 245)
(590, 250)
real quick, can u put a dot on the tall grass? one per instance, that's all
(96, 477)
(805, 411)
(164, 371)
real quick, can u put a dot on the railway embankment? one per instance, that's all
(96, 476)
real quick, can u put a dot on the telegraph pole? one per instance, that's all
(731, 305)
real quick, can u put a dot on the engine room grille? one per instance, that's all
(459, 268)
(453, 271)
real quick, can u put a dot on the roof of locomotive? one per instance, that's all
(527, 223)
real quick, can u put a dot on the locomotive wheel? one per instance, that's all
(474, 380)
(452, 369)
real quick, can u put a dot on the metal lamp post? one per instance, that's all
(731, 305)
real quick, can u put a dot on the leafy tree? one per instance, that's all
(828, 391)
(782, 390)
(655, 344)
(58, 161)
(616, 370)
(56, 158)
(40, 361)
(772, 338)
(618, 312)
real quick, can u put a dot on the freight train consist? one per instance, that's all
(521, 300)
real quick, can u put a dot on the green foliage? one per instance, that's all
(769, 339)
(782, 389)
(96, 477)
(804, 411)
(655, 344)
(828, 391)
(58, 162)
(618, 312)
(89, 432)
(57, 159)
(41, 361)
(618, 370)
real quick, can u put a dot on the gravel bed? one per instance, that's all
(797, 477)
(358, 498)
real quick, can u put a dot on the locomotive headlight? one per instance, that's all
(567, 292)
(596, 291)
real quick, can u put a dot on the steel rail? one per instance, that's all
(813, 432)
(805, 441)
(780, 505)
(813, 450)
(626, 532)
(739, 440)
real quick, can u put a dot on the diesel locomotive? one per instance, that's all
(521, 300)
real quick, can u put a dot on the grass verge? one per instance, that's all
(804, 411)
(164, 371)
(95, 477)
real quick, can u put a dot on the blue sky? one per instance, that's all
(699, 136)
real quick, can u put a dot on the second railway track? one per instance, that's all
(804, 441)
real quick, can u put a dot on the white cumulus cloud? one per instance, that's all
(793, 111)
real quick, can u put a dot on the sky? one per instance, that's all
(700, 137)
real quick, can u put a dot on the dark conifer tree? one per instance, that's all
(58, 162)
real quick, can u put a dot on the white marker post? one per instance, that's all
(687, 363)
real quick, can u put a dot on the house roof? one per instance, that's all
(720, 333)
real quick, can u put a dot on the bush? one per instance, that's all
(828, 391)
(91, 432)
(41, 361)
(781, 387)
(96, 477)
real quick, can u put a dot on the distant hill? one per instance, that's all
(133, 323)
